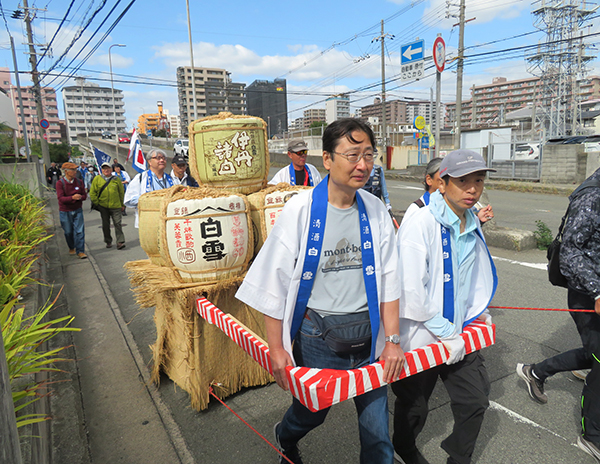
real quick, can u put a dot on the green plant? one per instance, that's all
(23, 336)
(543, 235)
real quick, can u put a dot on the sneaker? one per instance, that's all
(109, 245)
(581, 374)
(589, 447)
(414, 458)
(120, 246)
(292, 454)
(82, 255)
(71, 251)
(535, 386)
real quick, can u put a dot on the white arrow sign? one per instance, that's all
(409, 52)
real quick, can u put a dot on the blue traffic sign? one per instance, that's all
(149, 133)
(412, 52)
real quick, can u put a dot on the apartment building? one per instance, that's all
(89, 109)
(268, 100)
(215, 92)
(395, 111)
(49, 104)
(337, 107)
(313, 115)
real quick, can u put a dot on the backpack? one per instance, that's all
(553, 254)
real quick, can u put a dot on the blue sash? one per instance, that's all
(149, 183)
(426, 196)
(449, 277)
(293, 175)
(318, 216)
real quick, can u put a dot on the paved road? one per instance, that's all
(516, 430)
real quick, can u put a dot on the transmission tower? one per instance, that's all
(560, 63)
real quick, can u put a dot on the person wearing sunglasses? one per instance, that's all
(155, 178)
(299, 172)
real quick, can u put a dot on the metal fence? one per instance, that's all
(504, 157)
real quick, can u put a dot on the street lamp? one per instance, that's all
(112, 88)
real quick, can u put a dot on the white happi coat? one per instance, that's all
(421, 272)
(271, 285)
(283, 175)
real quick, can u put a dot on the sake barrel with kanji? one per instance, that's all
(206, 234)
(149, 211)
(230, 152)
(265, 208)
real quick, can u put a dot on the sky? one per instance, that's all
(320, 47)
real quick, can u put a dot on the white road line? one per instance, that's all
(541, 266)
(519, 418)
(405, 187)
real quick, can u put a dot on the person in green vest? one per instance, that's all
(107, 193)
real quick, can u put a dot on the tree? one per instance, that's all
(316, 127)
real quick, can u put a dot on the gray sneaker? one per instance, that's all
(535, 386)
(589, 448)
(292, 454)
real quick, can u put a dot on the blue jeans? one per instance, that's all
(72, 224)
(310, 350)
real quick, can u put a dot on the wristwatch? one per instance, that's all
(395, 339)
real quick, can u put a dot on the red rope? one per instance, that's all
(210, 390)
(544, 309)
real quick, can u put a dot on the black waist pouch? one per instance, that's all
(346, 333)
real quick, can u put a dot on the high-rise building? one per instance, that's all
(174, 124)
(395, 111)
(268, 100)
(215, 92)
(337, 107)
(313, 115)
(89, 109)
(30, 108)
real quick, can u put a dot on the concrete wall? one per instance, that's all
(24, 174)
(593, 163)
(564, 164)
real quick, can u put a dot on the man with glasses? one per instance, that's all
(299, 172)
(155, 178)
(331, 258)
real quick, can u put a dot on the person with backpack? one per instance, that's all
(107, 195)
(71, 193)
(578, 259)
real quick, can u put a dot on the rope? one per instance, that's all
(544, 309)
(210, 390)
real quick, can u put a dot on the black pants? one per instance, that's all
(586, 357)
(468, 386)
(106, 214)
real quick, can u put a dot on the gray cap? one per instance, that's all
(461, 162)
(297, 145)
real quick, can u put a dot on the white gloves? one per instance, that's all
(456, 348)
(389, 208)
(486, 317)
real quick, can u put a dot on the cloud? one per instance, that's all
(118, 61)
(483, 10)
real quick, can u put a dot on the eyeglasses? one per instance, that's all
(354, 158)
(159, 157)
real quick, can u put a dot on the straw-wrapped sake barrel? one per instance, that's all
(206, 234)
(265, 208)
(149, 210)
(230, 152)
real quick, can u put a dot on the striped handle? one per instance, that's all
(320, 388)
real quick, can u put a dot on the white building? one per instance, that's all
(337, 107)
(174, 124)
(89, 109)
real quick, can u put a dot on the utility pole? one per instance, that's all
(187, 3)
(459, 73)
(383, 105)
(23, 124)
(36, 84)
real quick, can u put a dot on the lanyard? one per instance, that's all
(318, 216)
(307, 176)
(165, 181)
(449, 277)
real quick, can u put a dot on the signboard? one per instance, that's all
(45, 136)
(44, 124)
(425, 142)
(439, 53)
(23, 151)
(149, 133)
(419, 122)
(411, 60)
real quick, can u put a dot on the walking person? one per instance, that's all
(125, 179)
(107, 194)
(71, 193)
(579, 258)
(53, 174)
(447, 279)
(329, 259)
(299, 172)
(377, 186)
(179, 174)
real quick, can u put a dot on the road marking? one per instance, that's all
(542, 210)
(519, 418)
(405, 187)
(541, 266)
